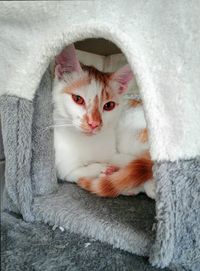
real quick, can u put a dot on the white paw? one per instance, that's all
(72, 178)
(108, 170)
(90, 171)
(133, 191)
(95, 170)
(150, 189)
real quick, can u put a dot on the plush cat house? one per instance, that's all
(161, 42)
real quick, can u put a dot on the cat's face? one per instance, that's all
(89, 98)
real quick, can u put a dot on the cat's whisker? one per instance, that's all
(64, 120)
(58, 125)
(62, 125)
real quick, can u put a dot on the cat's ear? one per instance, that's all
(123, 77)
(66, 61)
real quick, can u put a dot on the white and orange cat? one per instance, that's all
(100, 141)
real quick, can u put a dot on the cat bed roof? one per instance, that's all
(161, 42)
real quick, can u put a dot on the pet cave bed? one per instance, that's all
(161, 43)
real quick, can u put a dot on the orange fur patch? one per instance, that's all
(106, 94)
(143, 135)
(84, 122)
(93, 73)
(103, 78)
(135, 103)
(77, 84)
(134, 174)
(85, 183)
(95, 114)
(107, 188)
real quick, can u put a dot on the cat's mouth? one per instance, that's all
(91, 132)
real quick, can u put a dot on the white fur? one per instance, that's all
(130, 124)
(74, 149)
(79, 155)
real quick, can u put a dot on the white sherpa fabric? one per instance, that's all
(160, 40)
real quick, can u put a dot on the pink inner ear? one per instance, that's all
(67, 61)
(123, 76)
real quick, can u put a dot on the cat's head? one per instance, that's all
(90, 98)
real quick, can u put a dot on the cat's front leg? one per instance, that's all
(118, 160)
(90, 171)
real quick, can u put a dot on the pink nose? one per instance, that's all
(93, 124)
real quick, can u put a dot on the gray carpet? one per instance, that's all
(34, 247)
(125, 222)
(27, 246)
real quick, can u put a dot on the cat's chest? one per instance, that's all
(98, 148)
(95, 148)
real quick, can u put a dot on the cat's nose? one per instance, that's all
(94, 124)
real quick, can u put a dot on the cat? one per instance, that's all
(99, 140)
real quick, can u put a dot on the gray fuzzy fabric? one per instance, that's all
(124, 222)
(16, 119)
(36, 247)
(2, 180)
(43, 173)
(178, 215)
(1, 144)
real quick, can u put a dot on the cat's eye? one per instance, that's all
(78, 99)
(109, 106)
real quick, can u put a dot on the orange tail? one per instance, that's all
(134, 174)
